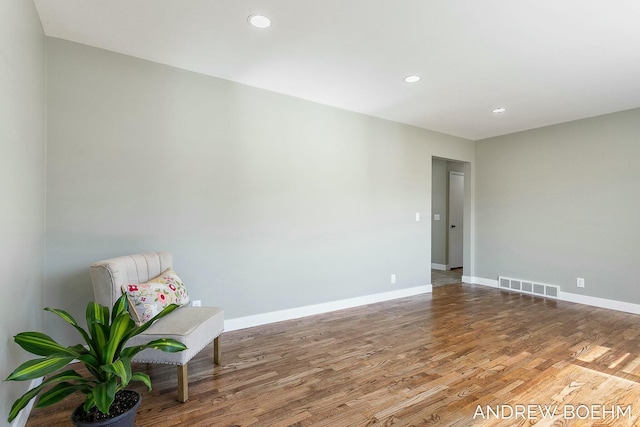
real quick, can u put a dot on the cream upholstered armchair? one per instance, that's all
(195, 327)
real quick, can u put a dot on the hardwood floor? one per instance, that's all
(446, 277)
(426, 360)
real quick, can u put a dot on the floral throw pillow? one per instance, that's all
(148, 299)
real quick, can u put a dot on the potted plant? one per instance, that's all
(103, 354)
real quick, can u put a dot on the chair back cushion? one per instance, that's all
(109, 275)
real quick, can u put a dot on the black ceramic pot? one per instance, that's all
(126, 419)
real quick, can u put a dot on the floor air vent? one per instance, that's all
(529, 287)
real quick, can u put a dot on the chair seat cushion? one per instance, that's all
(195, 327)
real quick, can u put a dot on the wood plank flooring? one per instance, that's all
(429, 360)
(446, 277)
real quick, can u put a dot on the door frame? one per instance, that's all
(468, 272)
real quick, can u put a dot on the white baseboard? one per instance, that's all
(480, 281)
(444, 267)
(23, 416)
(600, 302)
(309, 310)
(570, 297)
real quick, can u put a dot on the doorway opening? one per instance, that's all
(448, 211)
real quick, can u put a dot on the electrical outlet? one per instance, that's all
(196, 303)
(393, 278)
(580, 282)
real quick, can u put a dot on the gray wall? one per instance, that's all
(439, 199)
(268, 202)
(22, 144)
(562, 202)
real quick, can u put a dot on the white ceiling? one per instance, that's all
(546, 61)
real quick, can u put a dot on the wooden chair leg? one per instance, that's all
(183, 383)
(217, 353)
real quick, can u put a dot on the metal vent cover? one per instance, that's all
(529, 287)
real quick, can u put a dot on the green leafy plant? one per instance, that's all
(104, 355)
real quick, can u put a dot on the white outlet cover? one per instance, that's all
(436, 217)
(417, 216)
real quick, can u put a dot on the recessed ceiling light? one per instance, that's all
(412, 79)
(499, 110)
(259, 21)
